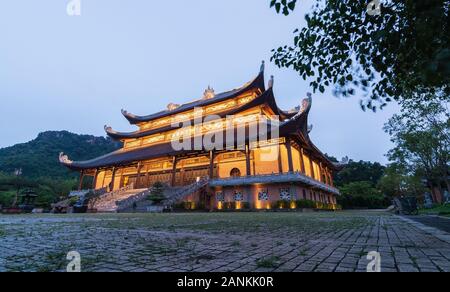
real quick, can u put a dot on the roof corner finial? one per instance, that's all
(124, 112)
(306, 103)
(310, 128)
(107, 128)
(271, 81)
(263, 66)
(64, 159)
(345, 160)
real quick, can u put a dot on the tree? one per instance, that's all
(401, 50)
(157, 193)
(359, 171)
(421, 134)
(15, 183)
(361, 194)
(396, 183)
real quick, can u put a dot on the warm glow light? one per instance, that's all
(219, 205)
(293, 205)
(238, 205)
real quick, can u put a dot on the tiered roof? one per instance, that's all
(292, 123)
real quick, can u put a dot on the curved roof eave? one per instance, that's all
(257, 83)
(266, 97)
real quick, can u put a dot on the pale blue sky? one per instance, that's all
(75, 73)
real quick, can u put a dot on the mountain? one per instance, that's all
(39, 157)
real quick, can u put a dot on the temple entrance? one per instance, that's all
(129, 180)
(235, 172)
(183, 177)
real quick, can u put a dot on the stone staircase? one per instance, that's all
(179, 194)
(173, 195)
(108, 203)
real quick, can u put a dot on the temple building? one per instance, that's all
(241, 173)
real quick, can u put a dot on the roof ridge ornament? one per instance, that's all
(271, 81)
(304, 107)
(345, 160)
(310, 128)
(307, 102)
(172, 106)
(209, 93)
(64, 159)
(263, 66)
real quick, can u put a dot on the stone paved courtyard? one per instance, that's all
(240, 242)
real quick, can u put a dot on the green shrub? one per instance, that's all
(283, 204)
(73, 201)
(157, 193)
(305, 204)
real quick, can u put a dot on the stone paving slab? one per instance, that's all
(224, 242)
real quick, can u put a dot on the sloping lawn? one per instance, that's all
(443, 210)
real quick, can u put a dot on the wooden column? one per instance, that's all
(103, 181)
(302, 162)
(113, 178)
(321, 173)
(247, 160)
(289, 152)
(182, 173)
(94, 181)
(147, 177)
(80, 185)
(280, 160)
(328, 176)
(311, 165)
(211, 164)
(138, 179)
(174, 170)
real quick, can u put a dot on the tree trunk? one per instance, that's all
(437, 194)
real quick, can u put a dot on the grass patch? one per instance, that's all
(268, 263)
(236, 243)
(443, 210)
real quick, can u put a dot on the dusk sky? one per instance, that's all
(59, 72)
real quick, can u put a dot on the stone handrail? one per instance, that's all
(186, 191)
(117, 192)
(109, 195)
(125, 204)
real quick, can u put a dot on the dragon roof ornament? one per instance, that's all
(209, 93)
(172, 106)
(64, 158)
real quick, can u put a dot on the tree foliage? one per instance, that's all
(396, 182)
(421, 134)
(39, 157)
(362, 194)
(389, 56)
(360, 171)
(48, 190)
(157, 193)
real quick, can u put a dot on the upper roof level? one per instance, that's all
(252, 94)
(156, 142)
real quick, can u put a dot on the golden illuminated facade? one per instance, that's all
(246, 175)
